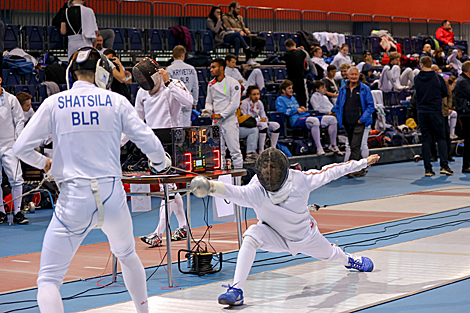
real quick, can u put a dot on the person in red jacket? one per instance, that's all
(446, 35)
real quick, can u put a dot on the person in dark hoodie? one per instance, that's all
(462, 101)
(430, 89)
(371, 80)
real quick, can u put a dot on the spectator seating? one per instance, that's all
(407, 46)
(280, 118)
(267, 74)
(280, 73)
(281, 39)
(42, 93)
(135, 39)
(374, 48)
(29, 89)
(171, 41)
(119, 39)
(155, 39)
(54, 39)
(11, 37)
(10, 78)
(347, 40)
(270, 45)
(201, 74)
(271, 101)
(33, 37)
(417, 44)
(34, 78)
(396, 114)
(358, 44)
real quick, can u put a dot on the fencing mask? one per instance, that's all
(272, 167)
(89, 59)
(146, 75)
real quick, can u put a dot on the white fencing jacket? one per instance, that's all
(187, 74)
(11, 120)
(86, 123)
(223, 98)
(321, 103)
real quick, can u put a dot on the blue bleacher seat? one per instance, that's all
(396, 114)
(399, 40)
(391, 98)
(34, 37)
(203, 90)
(407, 46)
(29, 89)
(278, 117)
(374, 46)
(272, 87)
(271, 101)
(155, 38)
(42, 92)
(11, 36)
(207, 39)
(134, 37)
(270, 46)
(193, 34)
(201, 103)
(133, 88)
(54, 39)
(417, 45)
(267, 74)
(34, 78)
(295, 37)
(280, 73)
(35, 105)
(10, 78)
(119, 39)
(201, 74)
(358, 44)
(347, 40)
(171, 41)
(281, 39)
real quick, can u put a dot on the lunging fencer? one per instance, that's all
(279, 197)
(86, 123)
(159, 102)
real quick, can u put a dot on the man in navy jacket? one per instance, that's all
(354, 108)
(430, 89)
(462, 106)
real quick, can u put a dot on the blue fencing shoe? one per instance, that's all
(233, 296)
(360, 263)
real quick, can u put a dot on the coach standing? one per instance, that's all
(430, 89)
(462, 106)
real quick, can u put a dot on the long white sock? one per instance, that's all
(245, 259)
(274, 139)
(315, 130)
(134, 277)
(17, 192)
(49, 299)
(452, 124)
(179, 212)
(261, 141)
(161, 227)
(333, 131)
(2, 208)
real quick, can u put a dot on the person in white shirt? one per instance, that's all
(88, 170)
(317, 59)
(223, 99)
(280, 197)
(11, 126)
(158, 102)
(391, 79)
(254, 107)
(320, 102)
(342, 56)
(231, 70)
(188, 75)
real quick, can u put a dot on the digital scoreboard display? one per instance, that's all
(194, 149)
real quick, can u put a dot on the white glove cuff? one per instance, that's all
(217, 187)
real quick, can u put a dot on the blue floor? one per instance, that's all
(384, 180)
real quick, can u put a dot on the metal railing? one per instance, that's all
(167, 14)
(287, 20)
(362, 24)
(195, 15)
(400, 26)
(135, 14)
(418, 26)
(382, 22)
(314, 21)
(340, 23)
(259, 19)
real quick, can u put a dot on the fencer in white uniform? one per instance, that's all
(11, 126)
(86, 123)
(340, 58)
(254, 107)
(255, 78)
(223, 99)
(279, 197)
(158, 102)
(391, 79)
(188, 75)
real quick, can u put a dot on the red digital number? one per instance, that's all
(217, 159)
(189, 161)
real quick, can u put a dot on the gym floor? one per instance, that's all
(412, 227)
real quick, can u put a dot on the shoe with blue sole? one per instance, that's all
(360, 263)
(233, 296)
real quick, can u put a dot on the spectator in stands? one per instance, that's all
(234, 21)
(25, 101)
(320, 102)
(79, 24)
(225, 35)
(319, 62)
(255, 108)
(454, 60)
(430, 90)
(332, 85)
(298, 115)
(119, 74)
(223, 99)
(440, 59)
(188, 75)
(247, 128)
(391, 79)
(255, 78)
(436, 69)
(462, 98)
(108, 36)
(368, 58)
(343, 68)
(450, 115)
(342, 56)
(445, 34)
(98, 44)
(426, 51)
(11, 126)
(354, 108)
(369, 77)
(298, 64)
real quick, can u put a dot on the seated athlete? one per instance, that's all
(279, 197)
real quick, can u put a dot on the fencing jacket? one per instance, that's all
(340, 59)
(223, 97)
(86, 123)
(389, 78)
(321, 103)
(162, 110)
(187, 74)
(290, 218)
(253, 109)
(11, 120)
